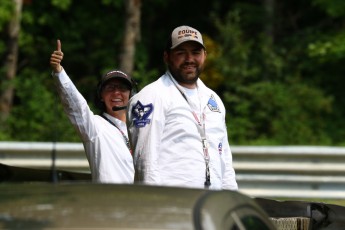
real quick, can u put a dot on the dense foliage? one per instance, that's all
(277, 67)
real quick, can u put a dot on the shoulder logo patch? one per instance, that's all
(141, 113)
(212, 104)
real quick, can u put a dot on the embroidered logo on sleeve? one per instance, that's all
(141, 113)
(212, 104)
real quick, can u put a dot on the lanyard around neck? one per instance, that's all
(201, 128)
(125, 138)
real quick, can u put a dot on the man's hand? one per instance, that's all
(56, 58)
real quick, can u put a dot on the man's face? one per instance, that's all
(186, 62)
(115, 93)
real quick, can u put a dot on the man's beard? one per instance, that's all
(183, 78)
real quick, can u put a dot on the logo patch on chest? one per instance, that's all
(212, 104)
(141, 113)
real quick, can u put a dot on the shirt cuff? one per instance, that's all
(54, 74)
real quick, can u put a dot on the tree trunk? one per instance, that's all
(131, 35)
(269, 23)
(7, 88)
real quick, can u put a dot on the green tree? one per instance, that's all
(278, 65)
(267, 101)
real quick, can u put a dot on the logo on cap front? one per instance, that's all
(187, 33)
(183, 34)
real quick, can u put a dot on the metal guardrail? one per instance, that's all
(261, 171)
(291, 171)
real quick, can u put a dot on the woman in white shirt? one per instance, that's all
(104, 136)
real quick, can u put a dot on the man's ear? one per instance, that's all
(165, 57)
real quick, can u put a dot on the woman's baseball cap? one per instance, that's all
(117, 74)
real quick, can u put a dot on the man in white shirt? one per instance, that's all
(177, 124)
(104, 136)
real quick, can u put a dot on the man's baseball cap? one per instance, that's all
(183, 34)
(117, 74)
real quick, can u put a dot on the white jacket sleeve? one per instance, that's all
(146, 124)
(229, 177)
(75, 106)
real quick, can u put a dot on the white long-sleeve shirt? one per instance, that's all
(167, 144)
(109, 157)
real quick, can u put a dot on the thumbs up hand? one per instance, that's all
(56, 58)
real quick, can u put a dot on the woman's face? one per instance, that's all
(115, 92)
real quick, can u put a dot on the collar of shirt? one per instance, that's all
(120, 124)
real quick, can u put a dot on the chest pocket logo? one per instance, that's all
(212, 104)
